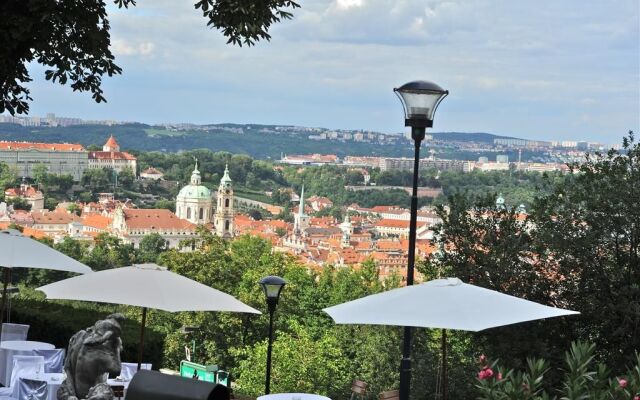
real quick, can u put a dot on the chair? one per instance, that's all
(358, 389)
(53, 359)
(129, 369)
(389, 395)
(30, 389)
(22, 365)
(118, 391)
(14, 331)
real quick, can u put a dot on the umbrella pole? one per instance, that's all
(444, 365)
(4, 295)
(141, 346)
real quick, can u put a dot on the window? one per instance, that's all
(226, 225)
(226, 203)
(201, 213)
(188, 212)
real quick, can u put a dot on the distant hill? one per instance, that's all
(258, 141)
(478, 137)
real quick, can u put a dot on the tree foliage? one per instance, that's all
(583, 378)
(577, 249)
(72, 39)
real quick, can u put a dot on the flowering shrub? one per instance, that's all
(583, 379)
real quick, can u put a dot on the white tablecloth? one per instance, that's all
(54, 380)
(11, 348)
(292, 396)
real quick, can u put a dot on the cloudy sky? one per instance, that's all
(543, 69)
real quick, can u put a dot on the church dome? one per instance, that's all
(195, 190)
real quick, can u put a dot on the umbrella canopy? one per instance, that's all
(148, 286)
(442, 303)
(19, 251)
(445, 304)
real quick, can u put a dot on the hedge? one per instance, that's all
(55, 323)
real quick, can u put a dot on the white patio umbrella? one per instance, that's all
(445, 304)
(19, 251)
(146, 286)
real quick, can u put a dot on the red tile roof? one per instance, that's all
(396, 223)
(53, 217)
(112, 142)
(110, 155)
(4, 145)
(27, 191)
(97, 221)
(155, 219)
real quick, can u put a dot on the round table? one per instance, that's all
(11, 348)
(293, 396)
(54, 380)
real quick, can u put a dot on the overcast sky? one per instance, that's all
(542, 69)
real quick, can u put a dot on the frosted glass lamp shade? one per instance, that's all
(272, 286)
(420, 100)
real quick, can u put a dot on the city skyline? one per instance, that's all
(521, 70)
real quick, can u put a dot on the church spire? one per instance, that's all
(226, 179)
(301, 207)
(196, 179)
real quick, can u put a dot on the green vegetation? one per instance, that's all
(252, 141)
(583, 378)
(577, 249)
(580, 239)
(56, 321)
(517, 187)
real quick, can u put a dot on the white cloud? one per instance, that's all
(335, 63)
(122, 47)
(346, 4)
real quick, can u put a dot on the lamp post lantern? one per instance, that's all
(420, 100)
(272, 287)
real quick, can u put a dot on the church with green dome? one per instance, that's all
(195, 203)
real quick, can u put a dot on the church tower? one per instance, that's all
(300, 220)
(111, 145)
(224, 209)
(347, 231)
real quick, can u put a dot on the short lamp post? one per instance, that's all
(420, 100)
(272, 287)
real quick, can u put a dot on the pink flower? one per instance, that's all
(499, 377)
(483, 358)
(486, 373)
(622, 382)
(636, 397)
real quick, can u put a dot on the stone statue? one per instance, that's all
(92, 355)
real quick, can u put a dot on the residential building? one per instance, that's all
(132, 225)
(151, 174)
(390, 164)
(111, 157)
(59, 158)
(53, 223)
(31, 195)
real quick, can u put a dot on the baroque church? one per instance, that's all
(195, 203)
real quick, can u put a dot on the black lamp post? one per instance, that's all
(420, 100)
(272, 286)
